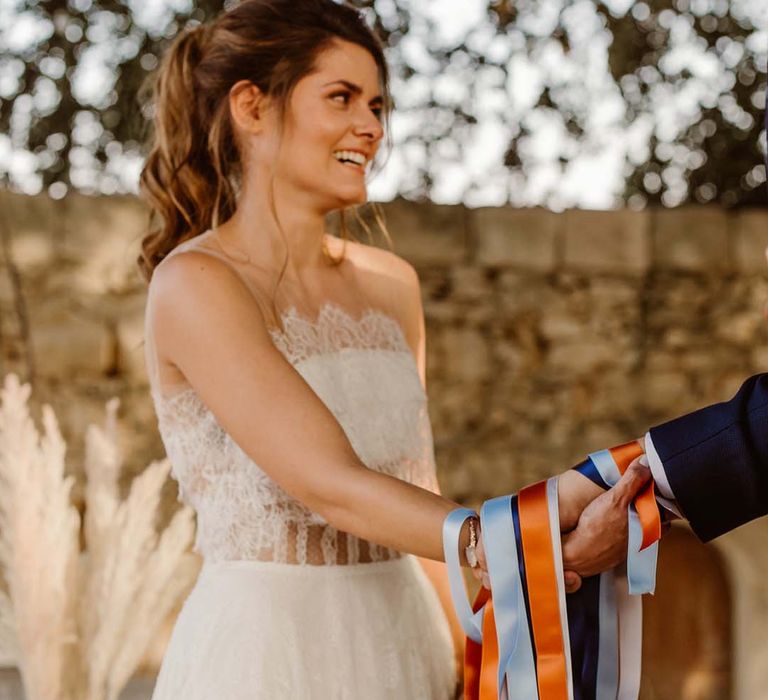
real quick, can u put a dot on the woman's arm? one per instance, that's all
(205, 322)
(437, 572)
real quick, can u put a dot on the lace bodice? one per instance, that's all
(364, 371)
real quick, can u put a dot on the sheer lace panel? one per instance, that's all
(364, 371)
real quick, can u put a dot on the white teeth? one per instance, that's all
(354, 156)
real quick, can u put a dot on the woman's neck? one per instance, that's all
(254, 234)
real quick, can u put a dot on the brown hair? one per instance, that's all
(192, 174)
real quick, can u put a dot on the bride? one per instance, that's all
(287, 372)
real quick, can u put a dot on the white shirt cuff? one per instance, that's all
(667, 496)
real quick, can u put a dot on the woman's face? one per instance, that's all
(332, 111)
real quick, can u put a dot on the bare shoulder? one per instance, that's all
(385, 274)
(190, 277)
(391, 283)
(191, 290)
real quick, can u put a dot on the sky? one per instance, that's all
(474, 174)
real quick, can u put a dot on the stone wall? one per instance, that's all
(548, 336)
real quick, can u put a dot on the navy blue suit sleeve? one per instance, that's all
(716, 460)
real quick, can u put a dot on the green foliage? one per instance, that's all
(711, 155)
(39, 109)
(673, 89)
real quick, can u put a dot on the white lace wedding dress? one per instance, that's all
(285, 605)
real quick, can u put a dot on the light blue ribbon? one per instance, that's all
(471, 622)
(607, 467)
(608, 649)
(516, 662)
(641, 565)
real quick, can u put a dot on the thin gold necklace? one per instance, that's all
(247, 258)
(220, 244)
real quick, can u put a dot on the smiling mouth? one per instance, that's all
(352, 157)
(350, 164)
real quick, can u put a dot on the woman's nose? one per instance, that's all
(369, 125)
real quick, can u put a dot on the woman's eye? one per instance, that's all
(377, 111)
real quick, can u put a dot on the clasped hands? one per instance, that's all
(593, 524)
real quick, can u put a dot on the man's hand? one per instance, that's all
(599, 542)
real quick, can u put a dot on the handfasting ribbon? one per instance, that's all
(481, 660)
(515, 653)
(629, 614)
(471, 620)
(489, 662)
(645, 501)
(543, 594)
(608, 651)
(620, 606)
(644, 518)
(526, 642)
(554, 528)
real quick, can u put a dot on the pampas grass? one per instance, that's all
(82, 620)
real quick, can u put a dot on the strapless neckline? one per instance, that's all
(328, 307)
(295, 321)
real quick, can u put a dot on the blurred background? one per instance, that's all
(581, 186)
(544, 102)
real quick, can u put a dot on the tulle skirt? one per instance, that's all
(252, 630)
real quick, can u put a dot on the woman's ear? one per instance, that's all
(247, 105)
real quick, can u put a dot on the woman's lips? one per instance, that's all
(348, 164)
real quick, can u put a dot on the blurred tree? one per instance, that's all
(508, 105)
(80, 137)
(713, 51)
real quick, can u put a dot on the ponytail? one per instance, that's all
(186, 179)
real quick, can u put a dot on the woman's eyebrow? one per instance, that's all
(356, 89)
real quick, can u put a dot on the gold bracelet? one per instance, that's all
(470, 550)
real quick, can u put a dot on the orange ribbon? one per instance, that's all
(543, 596)
(481, 660)
(645, 501)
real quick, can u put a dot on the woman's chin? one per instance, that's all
(351, 198)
